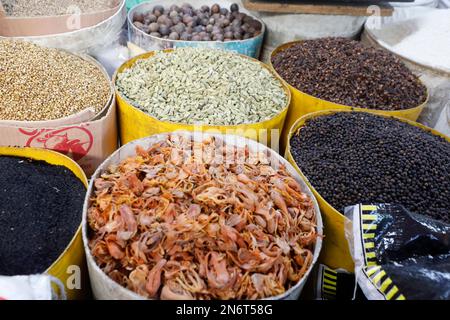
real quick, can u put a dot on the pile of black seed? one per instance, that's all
(40, 211)
(354, 157)
(346, 72)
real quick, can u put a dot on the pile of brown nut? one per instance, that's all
(213, 23)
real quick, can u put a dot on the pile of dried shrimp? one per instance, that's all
(171, 224)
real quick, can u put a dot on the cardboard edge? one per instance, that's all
(102, 132)
(82, 116)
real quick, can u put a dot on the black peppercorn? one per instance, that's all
(356, 157)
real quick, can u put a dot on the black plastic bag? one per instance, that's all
(399, 255)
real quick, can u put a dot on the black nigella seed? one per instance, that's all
(40, 212)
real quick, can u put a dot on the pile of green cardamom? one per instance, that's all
(203, 86)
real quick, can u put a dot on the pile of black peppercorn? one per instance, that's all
(205, 24)
(347, 72)
(356, 157)
(40, 212)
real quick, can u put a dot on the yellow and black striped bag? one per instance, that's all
(399, 255)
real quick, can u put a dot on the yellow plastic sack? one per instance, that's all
(135, 124)
(335, 253)
(303, 103)
(72, 261)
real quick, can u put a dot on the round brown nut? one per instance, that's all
(255, 24)
(237, 35)
(138, 17)
(174, 36)
(175, 8)
(192, 23)
(139, 25)
(179, 28)
(185, 36)
(217, 37)
(215, 8)
(146, 29)
(234, 7)
(168, 23)
(247, 19)
(158, 10)
(162, 19)
(241, 16)
(187, 9)
(204, 8)
(151, 18)
(173, 14)
(237, 30)
(204, 22)
(153, 27)
(164, 30)
(219, 23)
(187, 18)
(147, 20)
(236, 23)
(209, 28)
(197, 29)
(228, 35)
(176, 20)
